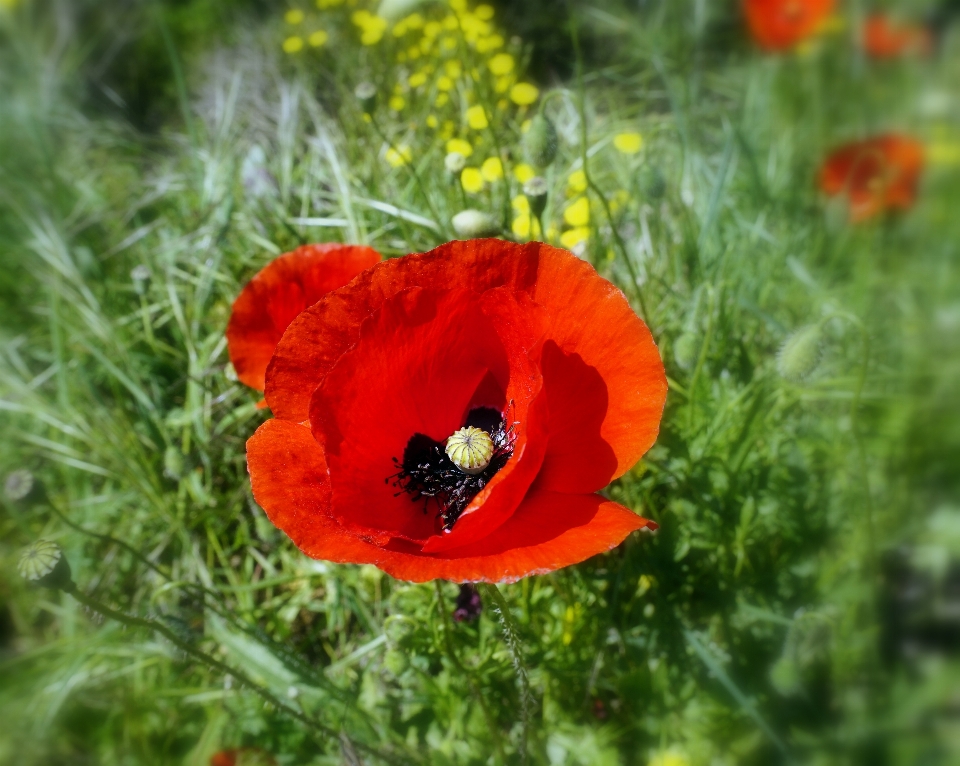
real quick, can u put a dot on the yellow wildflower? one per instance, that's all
(414, 21)
(483, 12)
(318, 38)
(525, 125)
(361, 18)
(628, 143)
(501, 64)
(670, 757)
(460, 146)
(397, 103)
(458, 5)
(944, 153)
(502, 84)
(577, 213)
(432, 121)
(490, 43)
(492, 169)
(472, 180)
(400, 155)
(293, 44)
(453, 68)
(477, 117)
(450, 23)
(417, 79)
(414, 53)
(573, 237)
(577, 182)
(522, 225)
(521, 204)
(524, 94)
(432, 28)
(448, 43)
(371, 36)
(523, 172)
(293, 16)
(445, 83)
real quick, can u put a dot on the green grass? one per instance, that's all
(760, 624)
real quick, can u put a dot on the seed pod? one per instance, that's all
(535, 191)
(540, 142)
(43, 563)
(471, 224)
(800, 354)
(470, 449)
(366, 93)
(454, 162)
(685, 350)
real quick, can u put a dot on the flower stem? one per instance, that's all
(474, 687)
(312, 724)
(511, 637)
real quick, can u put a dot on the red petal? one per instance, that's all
(780, 24)
(419, 360)
(589, 318)
(549, 530)
(278, 293)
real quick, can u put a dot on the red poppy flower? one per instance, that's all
(878, 174)
(884, 38)
(278, 293)
(780, 24)
(453, 414)
(242, 756)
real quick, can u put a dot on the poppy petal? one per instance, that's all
(278, 293)
(780, 24)
(420, 358)
(548, 531)
(603, 344)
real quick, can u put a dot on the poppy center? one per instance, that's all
(448, 475)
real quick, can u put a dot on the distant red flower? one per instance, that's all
(884, 38)
(278, 293)
(242, 756)
(780, 24)
(521, 354)
(878, 174)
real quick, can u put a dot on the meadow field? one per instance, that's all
(799, 602)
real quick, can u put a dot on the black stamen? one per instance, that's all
(426, 473)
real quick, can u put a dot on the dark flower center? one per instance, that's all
(427, 473)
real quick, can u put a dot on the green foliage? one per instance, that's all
(765, 622)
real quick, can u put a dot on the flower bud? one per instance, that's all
(800, 353)
(535, 190)
(395, 661)
(685, 350)
(540, 142)
(366, 93)
(455, 163)
(43, 563)
(471, 224)
(140, 276)
(20, 486)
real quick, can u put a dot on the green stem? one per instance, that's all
(214, 664)
(511, 637)
(474, 687)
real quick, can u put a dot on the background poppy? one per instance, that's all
(780, 24)
(884, 38)
(278, 293)
(877, 174)
(367, 384)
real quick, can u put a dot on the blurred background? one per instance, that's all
(774, 184)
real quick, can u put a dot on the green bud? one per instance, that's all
(366, 93)
(395, 661)
(20, 485)
(43, 563)
(536, 191)
(471, 224)
(540, 142)
(800, 353)
(454, 163)
(785, 676)
(685, 350)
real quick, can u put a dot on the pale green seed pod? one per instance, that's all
(366, 93)
(800, 353)
(43, 563)
(470, 449)
(471, 224)
(540, 142)
(686, 349)
(19, 485)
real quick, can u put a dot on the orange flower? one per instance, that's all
(278, 293)
(780, 24)
(878, 174)
(242, 756)
(884, 38)
(453, 415)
